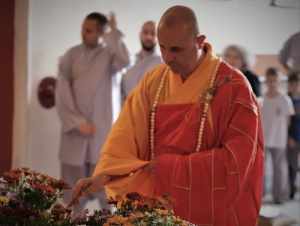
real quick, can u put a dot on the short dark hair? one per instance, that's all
(272, 71)
(293, 76)
(99, 17)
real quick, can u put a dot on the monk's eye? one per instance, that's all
(88, 31)
(176, 49)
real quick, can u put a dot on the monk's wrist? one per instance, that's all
(101, 180)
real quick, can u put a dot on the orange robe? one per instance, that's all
(221, 184)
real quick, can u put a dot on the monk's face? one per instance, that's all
(148, 36)
(90, 32)
(179, 48)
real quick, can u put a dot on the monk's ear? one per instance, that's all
(200, 41)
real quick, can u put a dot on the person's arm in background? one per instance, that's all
(118, 49)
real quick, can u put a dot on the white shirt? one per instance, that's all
(275, 117)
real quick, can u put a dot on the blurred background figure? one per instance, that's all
(84, 97)
(237, 57)
(294, 131)
(146, 59)
(289, 55)
(276, 110)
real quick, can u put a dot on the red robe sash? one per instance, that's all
(221, 184)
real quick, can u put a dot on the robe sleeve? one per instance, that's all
(126, 148)
(230, 166)
(119, 51)
(70, 117)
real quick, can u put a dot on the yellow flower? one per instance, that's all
(162, 212)
(3, 200)
(119, 204)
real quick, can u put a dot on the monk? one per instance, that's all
(191, 129)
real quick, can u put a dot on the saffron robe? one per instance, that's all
(219, 185)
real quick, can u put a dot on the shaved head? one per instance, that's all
(149, 23)
(148, 36)
(179, 16)
(179, 40)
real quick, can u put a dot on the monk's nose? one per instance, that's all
(169, 57)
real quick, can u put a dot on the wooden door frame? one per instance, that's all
(7, 14)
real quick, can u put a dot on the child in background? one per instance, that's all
(277, 108)
(294, 131)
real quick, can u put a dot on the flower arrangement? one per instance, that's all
(136, 210)
(28, 198)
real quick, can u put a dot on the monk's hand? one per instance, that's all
(150, 167)
(86, 186)
(87, 129)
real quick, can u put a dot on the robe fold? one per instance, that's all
(219, 185)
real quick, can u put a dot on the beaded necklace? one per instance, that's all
(208, 96)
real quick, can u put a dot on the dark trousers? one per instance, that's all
(292, 156)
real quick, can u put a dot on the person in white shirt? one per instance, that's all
(276, 111)
(146, 59)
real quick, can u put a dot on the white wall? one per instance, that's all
(54, 26)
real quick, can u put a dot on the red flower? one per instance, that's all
(12, 176)
(59, 184)
(46, 189)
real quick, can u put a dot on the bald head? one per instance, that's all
(179, 16)
(148, 36)
(179, 40)
(148, 24)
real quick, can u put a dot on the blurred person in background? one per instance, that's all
(276, 110)
(289, 55)
(294, 131)
(83, 98)
(145, 60)
(237, 57)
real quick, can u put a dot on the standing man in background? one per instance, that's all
(83, 97)
(146, 59)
